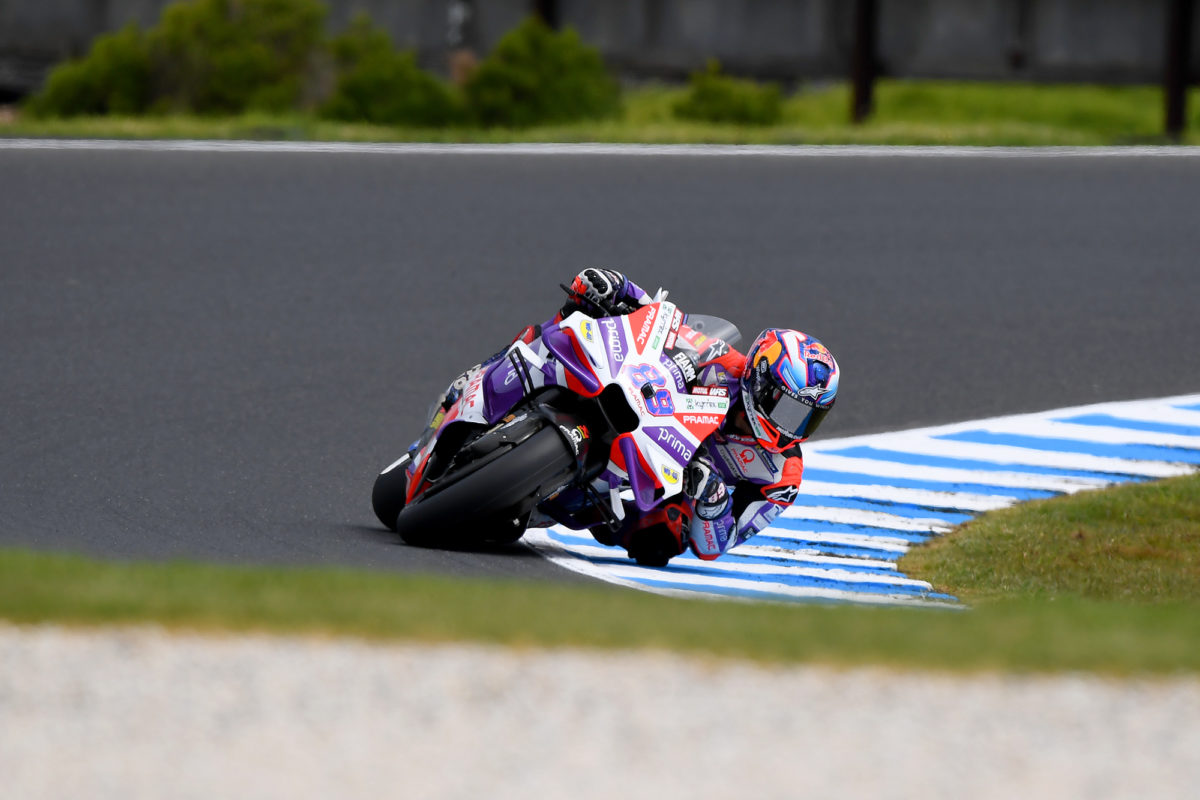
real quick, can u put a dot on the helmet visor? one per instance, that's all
(791, 416)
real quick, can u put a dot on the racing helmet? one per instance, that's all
(789, 385)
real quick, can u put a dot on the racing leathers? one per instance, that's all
(733, 487)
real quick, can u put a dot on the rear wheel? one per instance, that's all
(489, 500)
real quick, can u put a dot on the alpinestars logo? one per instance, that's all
(715, 350)
(783, 495)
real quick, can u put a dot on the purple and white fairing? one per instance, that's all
(586, 355)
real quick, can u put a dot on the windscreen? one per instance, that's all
(714, 328)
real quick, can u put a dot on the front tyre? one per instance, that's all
(489, 501)
(391, 488)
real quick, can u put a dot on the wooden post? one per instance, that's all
(462, 41)
(866, 13)
(1175, 76)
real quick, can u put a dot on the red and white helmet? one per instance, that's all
(790, 383)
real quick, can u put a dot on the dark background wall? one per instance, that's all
(1040, 40)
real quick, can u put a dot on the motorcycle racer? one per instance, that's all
(750, 469)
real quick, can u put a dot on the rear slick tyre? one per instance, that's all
(489, 504)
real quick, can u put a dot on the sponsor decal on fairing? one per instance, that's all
(697, 403)
(684, 362)
(613, 339)
(673, 333)
(715, 350)
(676, 374)
(650, 315)
(673, 442)
(575, 435)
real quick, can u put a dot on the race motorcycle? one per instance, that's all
(595, 412)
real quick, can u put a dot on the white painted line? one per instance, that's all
(782, 554)
(1006, 454)
(1167, 414)
(600, 149)
(918, 497)
(1099, 434)
(886, 543)
(854, 516)
(885, 470)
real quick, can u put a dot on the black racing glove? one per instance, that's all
(600, 290)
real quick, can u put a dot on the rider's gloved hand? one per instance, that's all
(702, 483)
(600, 288)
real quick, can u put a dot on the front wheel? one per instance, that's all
(391, 488)
(489, 501)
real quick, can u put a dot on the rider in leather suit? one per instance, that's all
(750, 468)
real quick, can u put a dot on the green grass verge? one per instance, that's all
(1137, 543)
(908, 112)
(1070, 633)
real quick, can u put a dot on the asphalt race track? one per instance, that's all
(210, 354)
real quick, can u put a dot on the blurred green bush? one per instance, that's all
(228, 56)
(535, 75)
(714, 97)
(376, 83)
(220, 57)
(204, 56)
(114, 78)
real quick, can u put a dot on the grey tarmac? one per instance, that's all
(210, 354)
